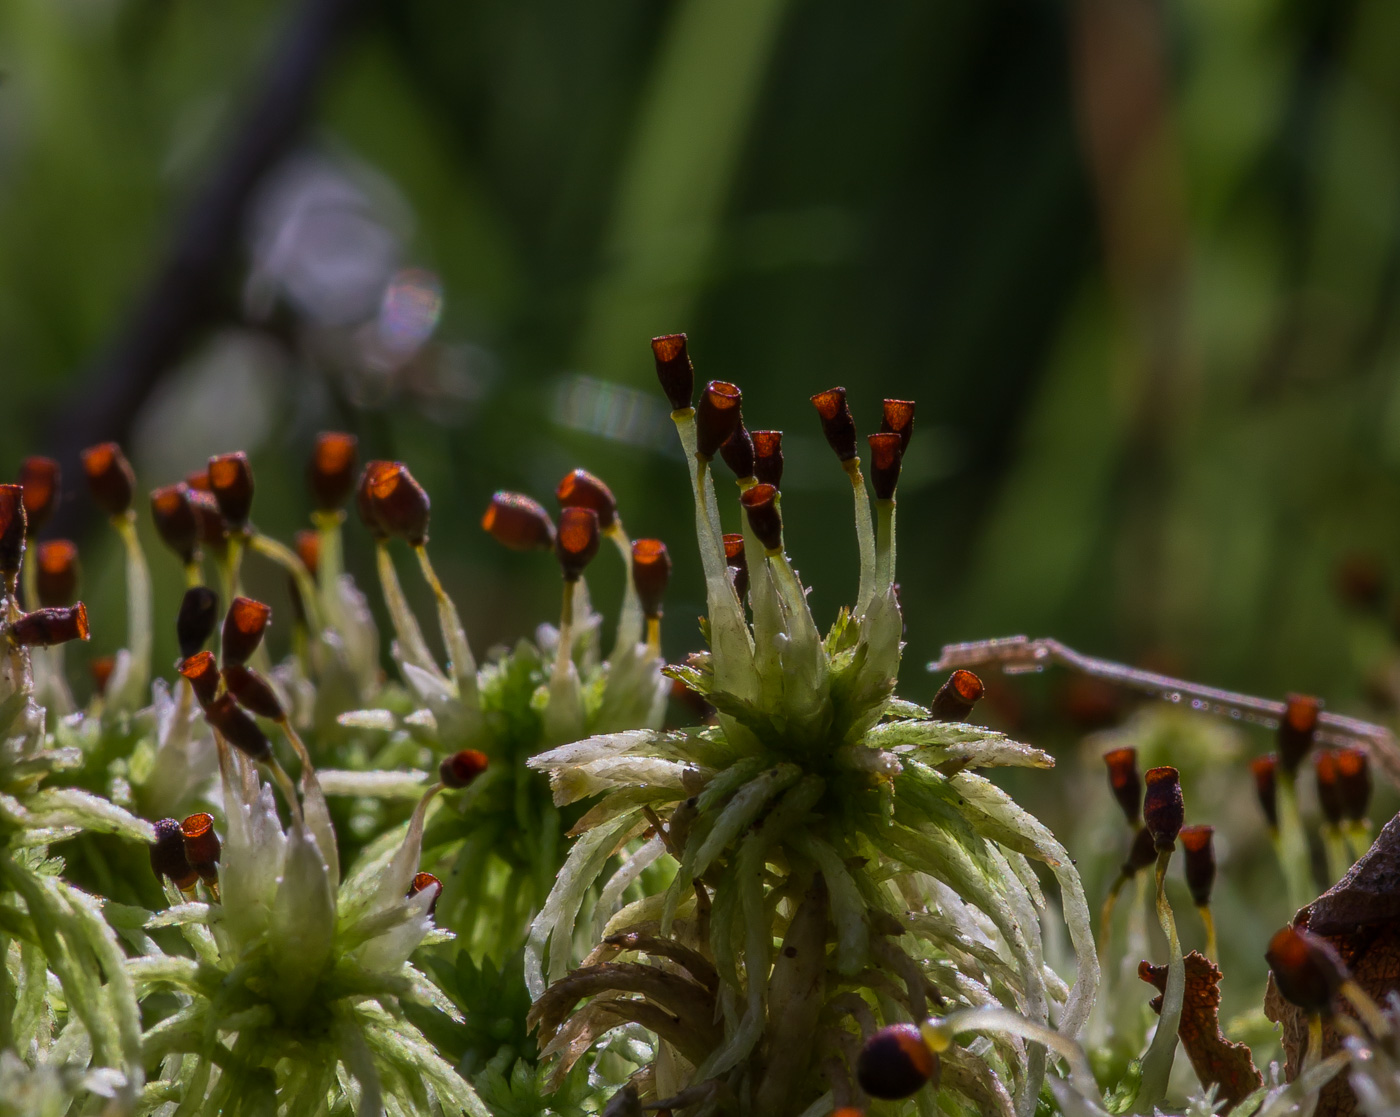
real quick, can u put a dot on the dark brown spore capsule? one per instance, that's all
(175, 520)
(1306, 969)
(364, 500)
(717, 417)
(307, 543)
(43, 628)
(168, 858)
(331, 471)
(203, 674)
(837, 423)
(898, 418)
(1163, 808)
(109, 477)
(57, 574)
(198, 480)
(886, 457)
(1141, 854)
(1198, 844)
(231, 482)
(202, 846)
(243, 629)
(238, 728)
(1125, 782)
(1265, 772)
(738, 451)
(1354, 782)
(768, 457)
(651, 573)
(1297, 730)
(102, 668)
(461, 768)
(253, 692)
(576, 543)
(895, 1062)
(1329, 794)
(422, 882)
(12, 530)
(400, 503)
(580, 489)
(196, 620)
(213, 532)
(674, 370)
(519, 522)
(960, 692)
(40, 479)
(761, 505)
(738, 561)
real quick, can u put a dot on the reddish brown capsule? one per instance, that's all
(422, 882)
(1307, 970)
(674, 370)
(110, 478)
(577, 541)
(898, 418)
(1354, 782)
(231, 482)
(1198, 843)
(238, 728)
(761, 505)
(580, 489)
(101, 669)
(243, 629)
(895, 1062)
(461, 768)
(57, 573)
(959, 693)
(738, 451)
(213, 532)
(253, 692)
(202, 846)
(520, 523)
(1329, 794)
(768, 457)
(717, 417)
(203, 674)
(1125, 782)
(651, 571)
(1297, 730)
(176, 521)
(1163, 808)
(1265, 772)
(400, 505)
(168, 858)
(1141, 854)
(12, 530)
(308, 547)
(886, 457)
(196, 620)
(837, 423)
(43, 628)
(40, 480)
(738, 561)
(198, 480)
(331, 471)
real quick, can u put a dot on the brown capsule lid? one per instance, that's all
(886, 458)
(898, 418)
(308, 547)
(203, 675)
(717, 417)
(580, 489)
(1125, 781)
(40, 479)
(400, 503)
(673, 369)
(110, 478)
(331, 471)
(768, 457)
(577, 541)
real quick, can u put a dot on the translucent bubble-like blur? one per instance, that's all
(613, 411)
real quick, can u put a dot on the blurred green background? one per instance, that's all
(1139, 263)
